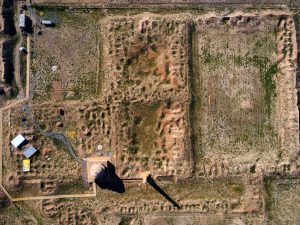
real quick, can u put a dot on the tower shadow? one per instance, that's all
(110, 180)
(161, 191)
(29, 26)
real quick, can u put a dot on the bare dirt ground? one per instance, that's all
(46, 176)
(204, 100)
(71, 73)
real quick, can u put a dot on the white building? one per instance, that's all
(22, 20)
(47, 23)
(18, 140)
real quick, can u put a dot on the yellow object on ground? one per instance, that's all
(26, 165)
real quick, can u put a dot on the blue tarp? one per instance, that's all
(29, 151)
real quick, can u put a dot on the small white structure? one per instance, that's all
(100, 147)
(47, 23)
(22, 20)
(18, 140)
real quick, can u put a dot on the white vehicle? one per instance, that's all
(47, 22)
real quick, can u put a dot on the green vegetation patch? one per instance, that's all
(233, 89)
(75, 187)
(282, 197)
(144, 128)
(59, 144)
(267, 69)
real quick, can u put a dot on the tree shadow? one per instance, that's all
(110, 180)
(161, 191)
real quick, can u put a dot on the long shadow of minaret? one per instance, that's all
(161, 191)
(108, 179)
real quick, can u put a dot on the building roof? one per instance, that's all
(18, 140)
(47, 22)
(29, 151)
(26, 161)
(26, 165)
(22, 20)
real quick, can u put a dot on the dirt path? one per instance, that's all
(28, 67)
(17, 59)
(93, 194)
(6, 193)
(17, 70)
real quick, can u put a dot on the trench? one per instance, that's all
(8, 18)
(195, 95)
(9, 46)
(7, 57)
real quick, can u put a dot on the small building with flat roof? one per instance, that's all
(48, 23)
(18, 141)
(26, 165)
(22, 20)
(29, 151)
